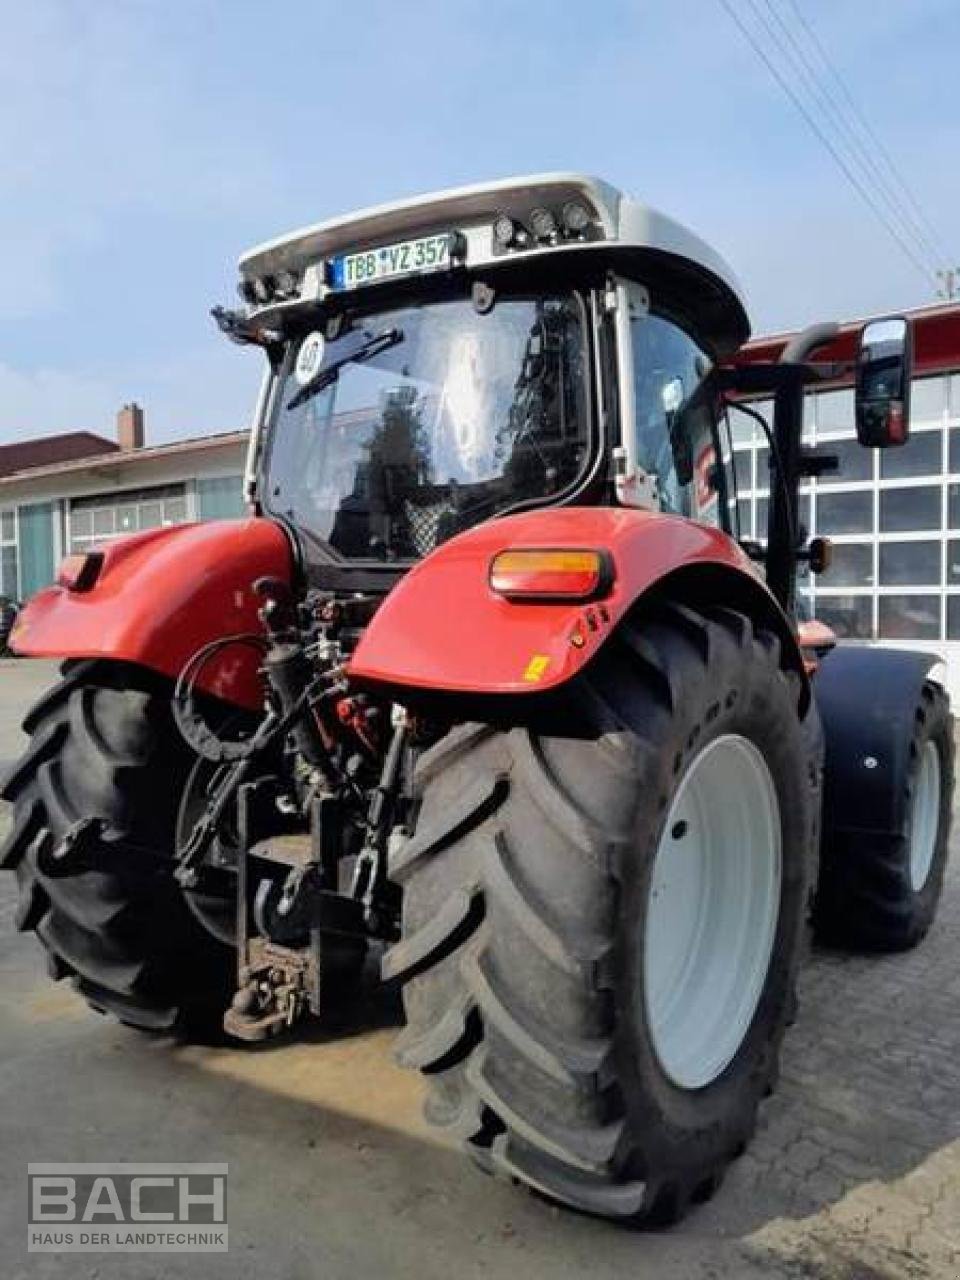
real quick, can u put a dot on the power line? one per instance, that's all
(921, 218)
(837, 157)
(836, 117)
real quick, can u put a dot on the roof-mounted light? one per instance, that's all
(543, 224)
(288, 284)
(576, 217)
(504, 230)
(257, 291)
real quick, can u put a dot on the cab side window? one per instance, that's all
(675, 423)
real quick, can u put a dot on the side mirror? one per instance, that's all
(884, 367)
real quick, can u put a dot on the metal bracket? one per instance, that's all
(277, 985)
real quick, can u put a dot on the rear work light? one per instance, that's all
(79, 572)
(561, 574)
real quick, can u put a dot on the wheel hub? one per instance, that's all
(712, 911)
(925, 818)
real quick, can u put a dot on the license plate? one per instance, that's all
(429, 253)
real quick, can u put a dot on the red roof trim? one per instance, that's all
(936, 341)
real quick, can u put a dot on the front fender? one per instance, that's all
(160, 596)
(442, 628)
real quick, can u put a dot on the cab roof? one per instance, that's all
(682, 271)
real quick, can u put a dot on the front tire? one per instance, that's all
(538, 1006)
(104, 753)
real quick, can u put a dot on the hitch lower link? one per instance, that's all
(281, 969)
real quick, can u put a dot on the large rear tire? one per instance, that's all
(880, 890)
(555, 1005)
(104, 751)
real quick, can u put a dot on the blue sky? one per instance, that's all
(144, 145)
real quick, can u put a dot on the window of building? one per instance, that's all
(97, 519)
(908, 564)
(845, 512)
(151, 515)
(744, 518)
(894, 573)
(928, 400)
(835, 411)
(762, 517)
(763, 468)
(910, 510)
(851, 566)
(803, 516)
(855, 462)
(910, 617)
(851, 616)
(104, 521)
(809, 417)
(743, 469)
(175, 510)
(127, 518)
(220, 497)
(743, 427)
(920, 456)
(9, 559)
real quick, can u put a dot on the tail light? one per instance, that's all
(561, 574)
(80, 571)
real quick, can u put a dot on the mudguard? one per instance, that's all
(443, 629)
(160, 596)
(867, 699)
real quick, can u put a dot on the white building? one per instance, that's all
(892, 515)
(64, 493)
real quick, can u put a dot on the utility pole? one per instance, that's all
(950, 281)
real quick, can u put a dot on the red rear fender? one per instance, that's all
(159, 597)
(443, 628)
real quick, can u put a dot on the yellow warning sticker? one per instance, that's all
(536, 668)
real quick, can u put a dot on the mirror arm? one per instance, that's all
(747, 379)
(803, 344)
(832, 371)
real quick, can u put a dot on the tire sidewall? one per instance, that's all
(936, 727)
(757, 702)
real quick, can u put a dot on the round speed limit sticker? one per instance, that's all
(309, 357)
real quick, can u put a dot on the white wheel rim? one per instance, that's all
(925, 818)
(712, 911)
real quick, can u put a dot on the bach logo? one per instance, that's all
(127, 1208)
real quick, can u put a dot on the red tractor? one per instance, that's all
(490, 677)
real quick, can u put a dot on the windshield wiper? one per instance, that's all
(366, 351)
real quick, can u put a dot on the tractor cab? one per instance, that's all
(533, 343)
